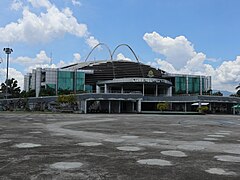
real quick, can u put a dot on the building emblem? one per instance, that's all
(150, 74)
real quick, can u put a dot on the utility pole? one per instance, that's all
(8, 51)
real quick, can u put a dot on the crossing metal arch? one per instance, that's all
(109, 51)
(111, 54)
(100, 44)
(129, 47)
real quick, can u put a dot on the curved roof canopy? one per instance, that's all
(137, 80)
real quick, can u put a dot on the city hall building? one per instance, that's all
(122, 86)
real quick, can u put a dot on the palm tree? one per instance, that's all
(12, 88)
(238, 90)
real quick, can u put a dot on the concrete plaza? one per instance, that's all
(35, 146)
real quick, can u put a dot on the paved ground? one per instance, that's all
(77, 146)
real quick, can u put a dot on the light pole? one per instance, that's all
(8, 51)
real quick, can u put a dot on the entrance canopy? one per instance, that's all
(137, 80)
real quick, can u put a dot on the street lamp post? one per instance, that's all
(8, 51)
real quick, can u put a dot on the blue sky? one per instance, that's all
(179, 36)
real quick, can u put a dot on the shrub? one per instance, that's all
(162, 106)
(202, 109)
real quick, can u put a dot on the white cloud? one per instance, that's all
(177, 50)
(52, 24)
(120, 56)
(40, 3)
(40, 59)
(42, 28)
(166, 66)
(77, 57)
(92, 42)
(16, 5)
(76, 3)
(181, 57)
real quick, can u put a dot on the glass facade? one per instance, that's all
(71, 81)
(52, 86)
(80, 81)
(180, 85)
(203, 85)
(88, 88)
(188, 85)
(193, 85)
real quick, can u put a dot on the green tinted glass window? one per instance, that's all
(88, 88)
(193, 85)
(80, 81)
(180, 85)
(51, 86)
(71, 81)
(65, 80)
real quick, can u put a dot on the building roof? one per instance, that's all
(108, 70)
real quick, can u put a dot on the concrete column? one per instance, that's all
(132, 106)
(122, 89)
(185, 107)
(56, 80)
(119, 106)
(170, 105)
(156, 91)
(210, 107)
(143, 89)
(187, 84)
(109, 107)
(75, 82)
(38, 81)
(97, 89)
(139, 107)
(199, 106)
(105, 88)
(169, 91)
(200, 85)
(85, 106)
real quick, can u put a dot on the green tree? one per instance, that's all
(67, 102)
(12, 87)
(49, 91)
(30, 93)
(69, 99)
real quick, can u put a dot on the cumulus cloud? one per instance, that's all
(92, 42)
(49, 25)
(77, 57)
(41, 58)
(120, 56)
(40, 3)
(76, 3)
(181, 57)
(16, 5)
(177, 50)
(52, 24)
